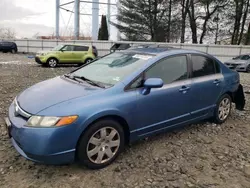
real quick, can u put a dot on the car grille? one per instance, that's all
(19, 111)
(232, 65)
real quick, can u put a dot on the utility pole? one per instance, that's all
(118, 32)
(76, 19)
(57, 18)
(95, 19)
(108, 16)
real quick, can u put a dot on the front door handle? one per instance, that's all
(216, 82)
(184, 89)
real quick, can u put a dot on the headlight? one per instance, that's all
(49, 121)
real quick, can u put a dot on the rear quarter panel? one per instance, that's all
(231, 79)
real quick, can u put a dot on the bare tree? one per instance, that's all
(7, 33)
(243, 21)
(184, 12)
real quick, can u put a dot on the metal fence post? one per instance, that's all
(28, 46)
(42, 44)
(207, 48)
(240, 49)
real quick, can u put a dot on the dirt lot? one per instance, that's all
(203, 155)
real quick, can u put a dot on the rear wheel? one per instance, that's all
(223, 109)
(52, 62)
(88, 61)
(100, 144)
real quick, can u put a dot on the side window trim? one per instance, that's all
(128, 86)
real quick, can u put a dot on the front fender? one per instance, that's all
(87, 121)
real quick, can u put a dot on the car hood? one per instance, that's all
(44, 52)
(51, 92)
(236, 61)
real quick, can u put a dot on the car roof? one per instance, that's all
(72, 44)
(160, 50)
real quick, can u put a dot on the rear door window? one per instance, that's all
(81, 48)
(203, 66)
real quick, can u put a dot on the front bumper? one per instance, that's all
(241, 67)
(42, 145)
(40, 60)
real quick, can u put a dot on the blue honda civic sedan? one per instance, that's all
(91, 113)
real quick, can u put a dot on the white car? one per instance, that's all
(239, 63)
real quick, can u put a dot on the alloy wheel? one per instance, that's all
(103, 145)
(52, 63)
(224, 109)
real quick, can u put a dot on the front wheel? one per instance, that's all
(52, 62)
(13, 51)
(248, 68)
(223, 109)
(100, 144)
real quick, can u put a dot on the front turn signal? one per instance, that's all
(66, 120)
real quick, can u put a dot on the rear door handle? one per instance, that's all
(184, 89)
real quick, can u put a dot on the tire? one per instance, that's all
(223, 109)
(96, 151)
(52, 62)
(88, 60)
(13, 51)
(248, 69)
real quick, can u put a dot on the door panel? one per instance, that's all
(66, 56)
(163, 107)
(206, 91)
(169, 105)
(207, 83)
(80, 52)
(79, 56)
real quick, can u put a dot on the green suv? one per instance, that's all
(67, 53)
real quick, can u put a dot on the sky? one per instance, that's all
(29, 18)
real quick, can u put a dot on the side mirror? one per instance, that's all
(151, 83)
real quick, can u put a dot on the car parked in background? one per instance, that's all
(89, 114)
(239, 63)
(67, 54)
(6, 46)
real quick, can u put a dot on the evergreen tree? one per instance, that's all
(103, 30)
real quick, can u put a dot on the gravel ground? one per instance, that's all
(203, 155)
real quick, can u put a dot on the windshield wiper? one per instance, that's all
(74, 77)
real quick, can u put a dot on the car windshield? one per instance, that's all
(113, 68)
(242, 57)
(57, 48)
